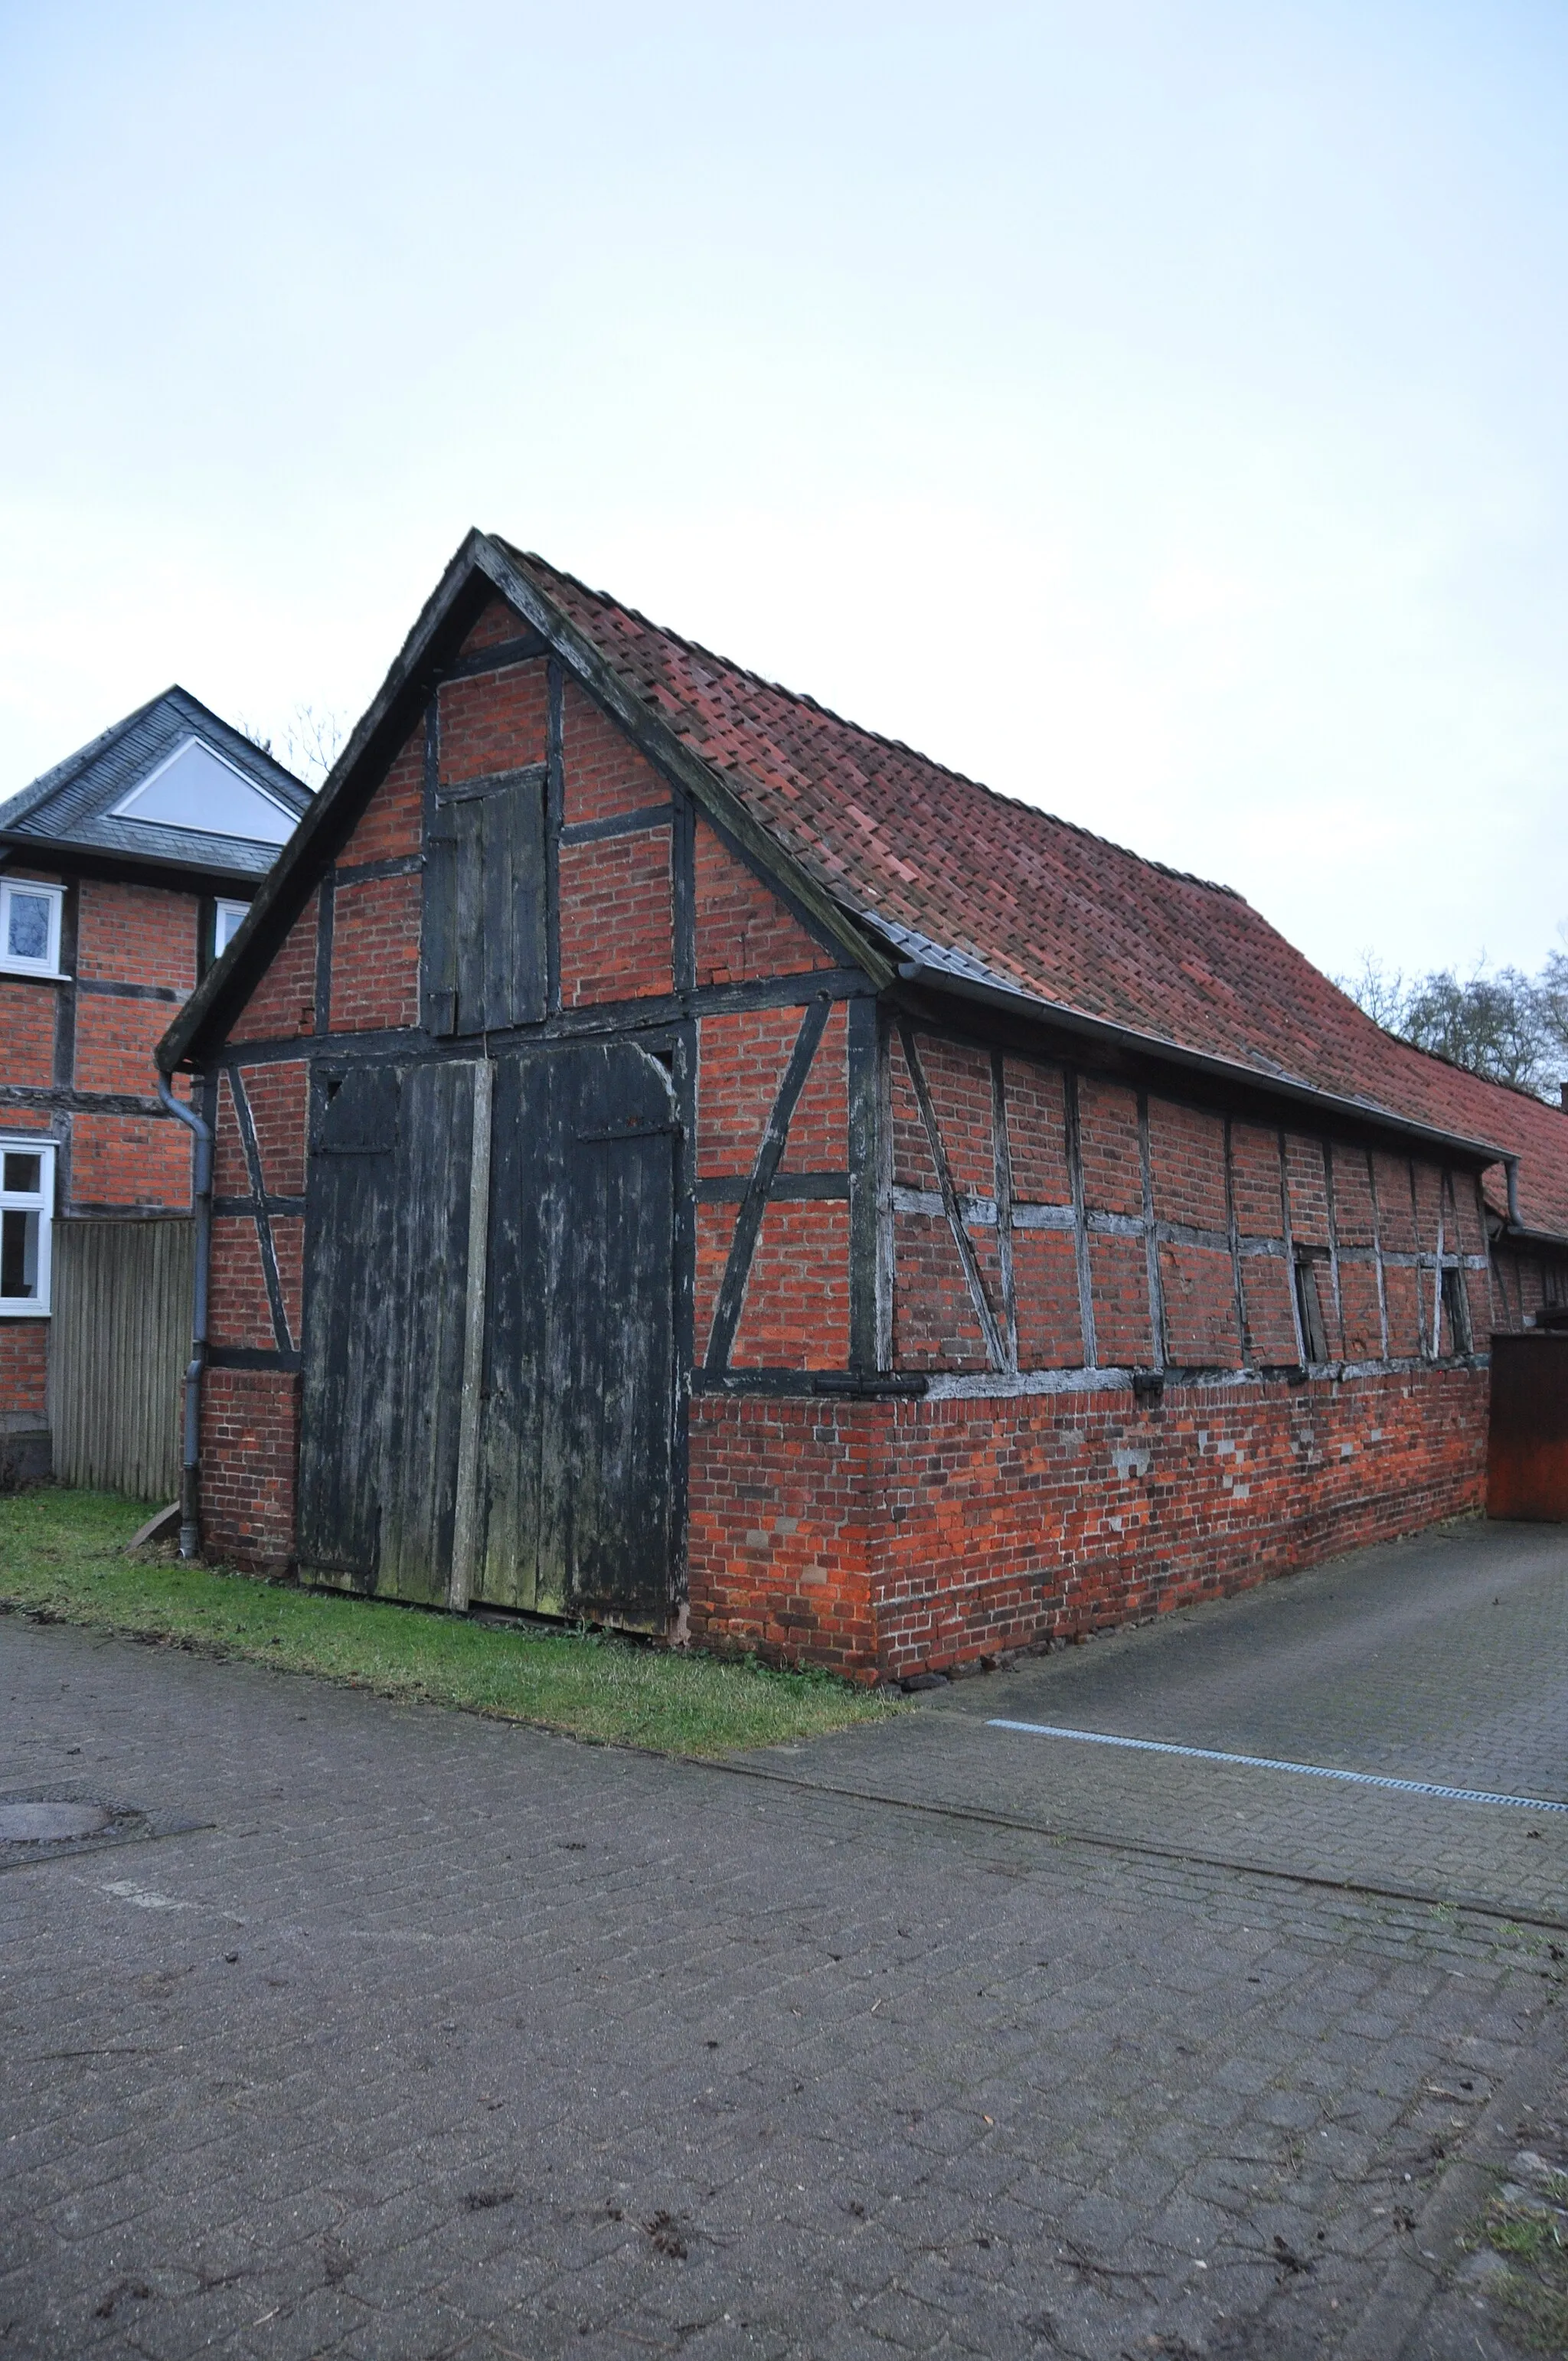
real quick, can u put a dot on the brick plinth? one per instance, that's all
(894, 1537)
(250, 1448)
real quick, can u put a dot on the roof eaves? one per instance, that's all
(967, 978)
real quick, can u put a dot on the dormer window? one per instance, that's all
(29, 926)
(195, 787)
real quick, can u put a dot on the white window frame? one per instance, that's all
(39, 1202)
(238, 912)
(126, 807)
(55, 895)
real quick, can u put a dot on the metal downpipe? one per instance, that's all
(191, 1456)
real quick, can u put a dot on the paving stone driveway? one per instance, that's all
(450, 2037)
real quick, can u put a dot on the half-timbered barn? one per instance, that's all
(690, 1163)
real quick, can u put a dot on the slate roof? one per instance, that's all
(954, 875)
(72, 805)
(946, 879)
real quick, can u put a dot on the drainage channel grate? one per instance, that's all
(52, 1820)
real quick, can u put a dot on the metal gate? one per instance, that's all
(120, 1337)
(489, 1407)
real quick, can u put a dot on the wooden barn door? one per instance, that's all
(574, 1510)
(386, 1267)
(496, 1427)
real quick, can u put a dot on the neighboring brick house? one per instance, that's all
(123, 871)
(688, 1161)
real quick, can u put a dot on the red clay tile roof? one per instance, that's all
(1042, 905)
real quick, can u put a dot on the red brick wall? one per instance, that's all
(129, 1160)
(250, 1452)
(742, 929)
(898, 1536)
(136, 934)
(781, 1496)
(391, 826)
(375, 955)
(617, 927)
(935, 1323)
(605, 775)
(797, 1311)
(27, 1017)
(493, 721)
(237, 1309)
(283, 1004)
(115, 1040)
(24, 1366)
(279, 1100)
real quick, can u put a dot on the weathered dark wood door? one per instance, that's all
(576, 1512)
(385, 1270)
(496, 1426)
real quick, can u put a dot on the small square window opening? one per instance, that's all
(1455, 1312)
(1310, 1304)
(29, 926)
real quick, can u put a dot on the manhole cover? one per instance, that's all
(46, 1823)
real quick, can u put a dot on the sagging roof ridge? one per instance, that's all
(861, 729)
(1454, 1065)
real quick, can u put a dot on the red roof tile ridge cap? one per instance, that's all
(861, 729)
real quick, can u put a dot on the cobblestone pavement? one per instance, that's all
(1442, 1659)
(447, 2038)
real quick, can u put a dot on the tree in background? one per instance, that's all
(1508, 1025)
(308, 744)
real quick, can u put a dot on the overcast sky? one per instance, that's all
(1160, 412)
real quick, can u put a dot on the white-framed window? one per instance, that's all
(197, 787)
(228, 919)
(26, 1210)
(29, 926)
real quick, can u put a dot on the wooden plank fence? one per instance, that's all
(121, 1339)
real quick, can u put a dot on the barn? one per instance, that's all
(685, 1163)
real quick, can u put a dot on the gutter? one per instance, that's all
(191, 1456)
(1360, 1111)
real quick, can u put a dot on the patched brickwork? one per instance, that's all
(743, 930)
(982, 1526)
(936, 1324)
(375, 955)
(249, 1464)
(781, 1498)
(617, 924)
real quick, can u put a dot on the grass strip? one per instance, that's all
(62, 1557)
